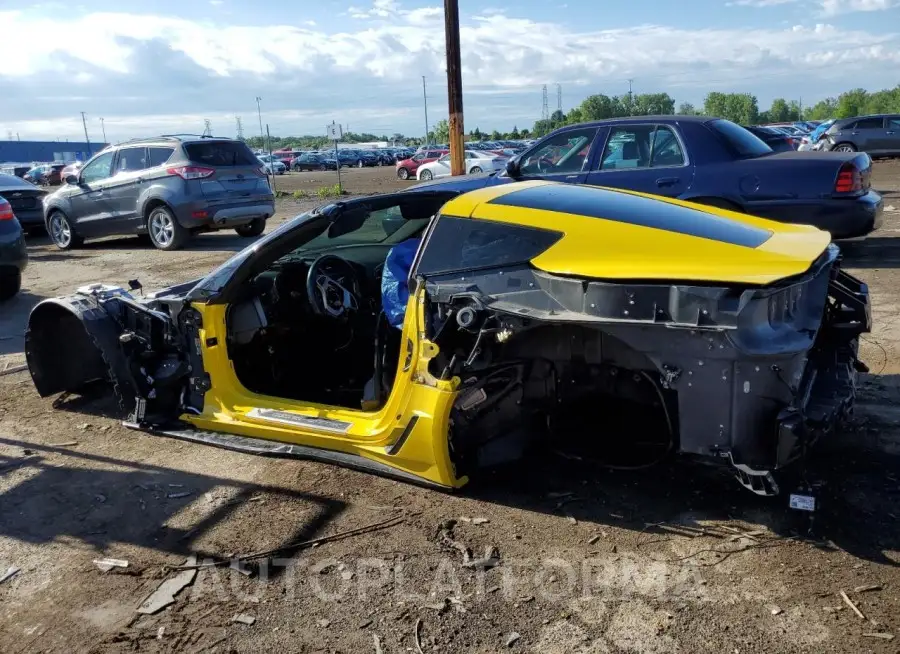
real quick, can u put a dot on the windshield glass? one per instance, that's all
(743, 142)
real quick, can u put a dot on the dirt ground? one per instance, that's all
(673, 559)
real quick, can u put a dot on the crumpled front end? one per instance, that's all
(103, 334)
(750, 376)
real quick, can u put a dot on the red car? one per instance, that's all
(408, 167)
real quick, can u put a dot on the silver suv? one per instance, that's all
(168, 188)
(877, 135)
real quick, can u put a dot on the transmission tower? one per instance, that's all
(240, 128)
(559, 98)
(545, 112)
(207, 127)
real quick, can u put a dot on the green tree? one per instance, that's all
(779, 111)
(740, 108)
(477, 135)
(598, 107)
(514, 134)
(852, 103)
(651, 104)
(687, 109)
(441, 132)
(822, 110)
(496, 136)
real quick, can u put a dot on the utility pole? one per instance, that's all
(207, 127)
(262, 135)
(103, 128)
(559, 98)
(240, 128)
(630, 80)
(800, 115)
(425, 98)
(454, 88)
(545, 110)
(86, 138)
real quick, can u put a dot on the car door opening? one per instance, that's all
(318, 324)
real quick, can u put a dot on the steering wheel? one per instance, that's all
(544, 164)
(332, 286)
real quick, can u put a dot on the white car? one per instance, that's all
(476, 162)
(272, 165)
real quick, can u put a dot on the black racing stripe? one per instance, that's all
(635, 210)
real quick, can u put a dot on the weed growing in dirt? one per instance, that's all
(323, 192)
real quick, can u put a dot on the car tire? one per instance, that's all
(166, 233)
(475, 170)
(10, 284)
(254, 228)
(426, 176)
(403, 173)
(844, 147)
(61, 232)
(360, 164)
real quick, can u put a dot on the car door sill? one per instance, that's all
(269, 448)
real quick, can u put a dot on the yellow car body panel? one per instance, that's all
(599, 248)
(424, 451)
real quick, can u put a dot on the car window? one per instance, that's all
(380, 226)
(418, 157)
(131, 159)
(98, 169)
(893, 123)
(666, 148)
(220, 153)
(744, 143)
(563, 153)
(158, 156)
(629, 146)
(445, 157)
(869, 123)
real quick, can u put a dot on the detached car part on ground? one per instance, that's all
(540, 315)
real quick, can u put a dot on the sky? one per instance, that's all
(166, 66)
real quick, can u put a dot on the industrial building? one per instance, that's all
(45, 151)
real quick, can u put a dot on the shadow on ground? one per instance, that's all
(872, 252)
(13, 320)
(103, 501)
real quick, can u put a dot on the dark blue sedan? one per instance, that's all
(706, 160)
(13, 256)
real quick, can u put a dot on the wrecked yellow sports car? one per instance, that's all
(526, 308)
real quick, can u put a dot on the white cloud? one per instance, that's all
(162, 69)
(835, 7)
(759, 3)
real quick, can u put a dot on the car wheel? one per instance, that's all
(254, 228)
(61, 232)
(475, 169)
(10, 285)
(426, 175)
(844, 147)
(403, 173)
(166, 233)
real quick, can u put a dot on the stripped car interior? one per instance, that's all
(539, 314)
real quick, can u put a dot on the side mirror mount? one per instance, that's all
(512, 167)
(72, 179)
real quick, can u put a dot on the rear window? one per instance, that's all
(743, 142)
(159, 155)
(220, 153)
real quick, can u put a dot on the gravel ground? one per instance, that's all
(670, 560)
